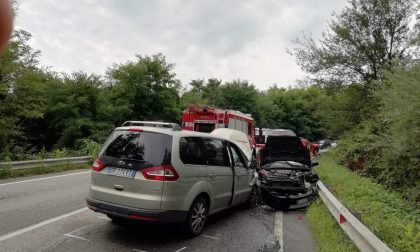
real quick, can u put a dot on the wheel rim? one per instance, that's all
(198, 217)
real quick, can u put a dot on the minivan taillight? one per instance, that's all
(161, 173)
(98, 165)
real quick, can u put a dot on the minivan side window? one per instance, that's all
(217, 154)
(191, 150)
(237, 156)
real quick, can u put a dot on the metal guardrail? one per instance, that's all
(362, 237)
(17, 165)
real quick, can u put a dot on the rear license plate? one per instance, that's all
(121, 172)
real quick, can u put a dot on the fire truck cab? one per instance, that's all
(204, 118)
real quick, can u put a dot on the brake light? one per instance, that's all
(135, 130)
(161, 173)
(98, 165)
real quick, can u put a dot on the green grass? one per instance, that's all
(394, 220)
(5, 172)
(326, 231)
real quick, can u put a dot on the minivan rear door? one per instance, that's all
(220, 174)
(126, 154)
(243, 175)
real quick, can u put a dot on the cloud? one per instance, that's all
(222, 39)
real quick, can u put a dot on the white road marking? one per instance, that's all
(43, 223)
(278, 228)
(179, 250)
(30, 180)
(211, 237)
(102, 217)
(76, 237)
(138, 250)
(74, 231)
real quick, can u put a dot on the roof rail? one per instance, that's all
(280, 132)
(172, 126)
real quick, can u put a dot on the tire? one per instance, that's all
(254, 197)
(196, 218)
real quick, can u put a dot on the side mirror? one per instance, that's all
(315, 163)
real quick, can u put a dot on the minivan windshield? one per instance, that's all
(146, 148)
(287, 144)
(284, 148)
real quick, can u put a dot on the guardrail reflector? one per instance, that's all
(342, 219)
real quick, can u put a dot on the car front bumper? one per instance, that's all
(291, 201)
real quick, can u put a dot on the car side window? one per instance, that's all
(237, 156)
(191, 150)
(216, 151)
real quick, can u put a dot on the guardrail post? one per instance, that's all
(358, 215)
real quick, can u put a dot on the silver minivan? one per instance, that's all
(166, 175)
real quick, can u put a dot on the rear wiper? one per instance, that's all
(132, 159)
(276, 152)
(135, 160)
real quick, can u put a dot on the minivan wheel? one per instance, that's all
(196, 218)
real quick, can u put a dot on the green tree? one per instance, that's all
(238, 95)
(21, 93)
(401, 113)
(386, 147)
(146, 89)
(77, 109)
(202, 92)
(296, 109)
(345, 110)
(368, 36)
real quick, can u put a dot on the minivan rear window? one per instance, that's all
(144, 148)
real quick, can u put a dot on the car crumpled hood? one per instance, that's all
(285, 148)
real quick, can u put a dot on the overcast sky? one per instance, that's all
(223, 39)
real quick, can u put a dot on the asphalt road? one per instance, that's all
(48, 213)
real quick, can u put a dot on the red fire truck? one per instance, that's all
(204, 118)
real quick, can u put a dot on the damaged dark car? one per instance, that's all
(286, 175)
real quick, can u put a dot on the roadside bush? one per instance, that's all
(401, 110)
(387, 147)
(5, 170)
(88, 147)
(385, 212)
(60, 153)
(359, 150)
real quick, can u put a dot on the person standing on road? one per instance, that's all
(6, 23)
